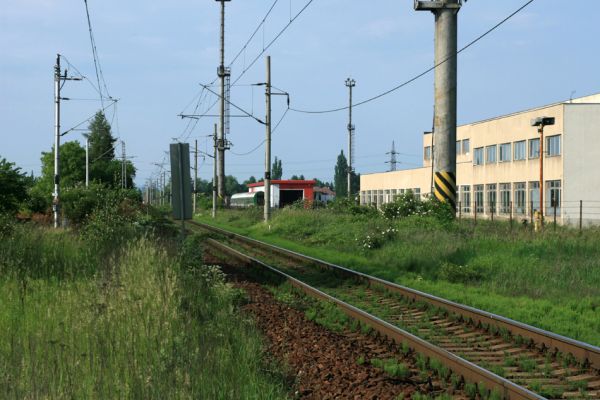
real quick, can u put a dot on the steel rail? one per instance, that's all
(583, 352)
(470, 372)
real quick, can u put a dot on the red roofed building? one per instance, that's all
(285, 192)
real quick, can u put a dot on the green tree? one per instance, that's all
(13, 187)
(297, 178)
(72, 165)
(104, 168)
(276, 169)
(232, 186)
(340, 177)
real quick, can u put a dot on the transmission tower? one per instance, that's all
(393, 160)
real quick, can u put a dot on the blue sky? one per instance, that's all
(155, 54)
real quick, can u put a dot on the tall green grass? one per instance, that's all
(76, 326)
(550, 279)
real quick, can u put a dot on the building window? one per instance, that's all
(362, 197)
(553, 145)
(387, 198)
(491, 198)
(534, 148)
(505, 152)
(520, 197)
(478, 156)
(490, 154)
(519, 150)
(417, 192)
(380, 198)
(427, 153)
(534, 196)
(466, 146)
(465, 195)
(505, 198)
(478, 189)
(458, 148)
(552, 198)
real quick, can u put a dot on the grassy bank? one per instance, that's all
(550, 280)
(133, 322)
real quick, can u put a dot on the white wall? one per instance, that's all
(581, 153)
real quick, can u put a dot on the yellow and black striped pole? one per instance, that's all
(445, 187)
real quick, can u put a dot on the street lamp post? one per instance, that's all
(541, 122)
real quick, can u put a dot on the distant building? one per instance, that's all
(323, 194)
(498, 166)
(285, 192)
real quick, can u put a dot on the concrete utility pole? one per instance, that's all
(123, 166)
(87, 162)
(444, 161)
(56, 194)
(350, 83)
(214, 181)
(195, 177)
(267, 213)
(222, 73)
(58, 79)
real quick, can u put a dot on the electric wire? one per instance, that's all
(114, 101)
(264, 140)
(97, 65)
(253, 34)
(411, 80)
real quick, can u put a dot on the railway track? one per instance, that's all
(517, 359)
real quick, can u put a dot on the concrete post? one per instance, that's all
(56, 194)
(267, 211)
(444, 161)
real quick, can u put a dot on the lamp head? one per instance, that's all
(542, 121)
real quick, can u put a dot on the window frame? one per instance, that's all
(548, 147)
(515, 146)
(487, 153)
(509, 152)
(537, 155)
(478, 160)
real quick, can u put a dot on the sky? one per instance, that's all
(155, 56)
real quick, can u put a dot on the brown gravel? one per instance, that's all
(323, 363)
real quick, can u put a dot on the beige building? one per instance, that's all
(498, 166)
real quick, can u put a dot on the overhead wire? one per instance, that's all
(97, 65)
(422, 73)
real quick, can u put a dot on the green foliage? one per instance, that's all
(471, 390)
(408, 204)
(340, 177)
(72, 166)
(276, 169)
(459, 273)
(13, 187)
(392, 368)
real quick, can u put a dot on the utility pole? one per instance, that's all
(123, 166)
(444, 163)
(222, 73)
(214, 181)
(87, 162)
(393, 160)
(58, 79)
(350, 83)
(268, 144)
(195, 177)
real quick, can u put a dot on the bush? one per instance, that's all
(459, 273)
(407, 204)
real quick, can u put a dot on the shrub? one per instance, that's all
(459, 273)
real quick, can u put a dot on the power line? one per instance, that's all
(253, 34)
(97, 66)
(265, 48)
(422, 73)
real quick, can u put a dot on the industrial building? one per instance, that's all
(285, 192)
(498, 166)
